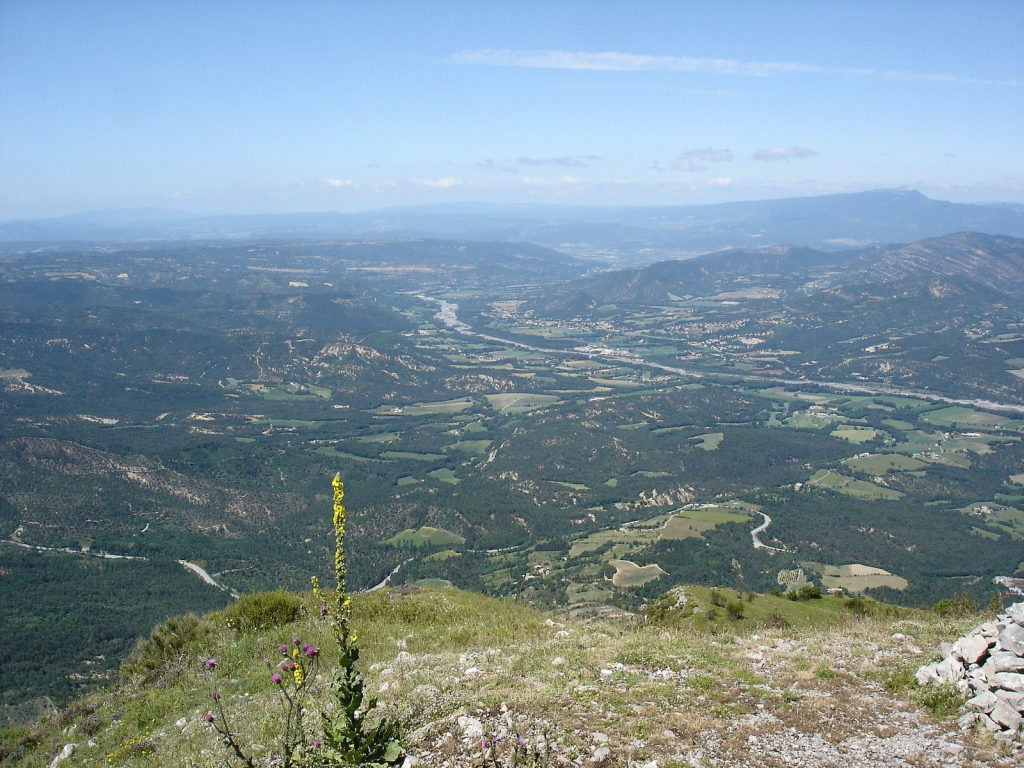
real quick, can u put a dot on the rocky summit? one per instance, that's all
(987, 664)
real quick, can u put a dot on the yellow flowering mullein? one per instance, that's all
(344, 602)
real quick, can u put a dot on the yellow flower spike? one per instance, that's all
(344, 605)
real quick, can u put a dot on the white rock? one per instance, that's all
(64, 755)
(472, 729)
(472, 673)
(1004, 661)
(983, 702)
(972, 649)
(1006, 716)
(991, 628)
(181, 722)
(599, 738)
(410, 762)
(1014, 698)
(945, 671)
(558, 661)
(989, 723)
(1016, 613)
(600, 755)
(1008, 681)
(1012, 639)
(966, 722)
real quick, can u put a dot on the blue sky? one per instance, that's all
(226, 106)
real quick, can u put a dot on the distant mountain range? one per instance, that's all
(992, 263)
(626, 235)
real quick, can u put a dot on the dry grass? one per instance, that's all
(728, 695)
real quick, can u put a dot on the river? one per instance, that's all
(448, 316)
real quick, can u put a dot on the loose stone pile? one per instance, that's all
(988, 665)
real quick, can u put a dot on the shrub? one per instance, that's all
(262, 610)
(961, 604)
(805, 593)
(169, 645)
(734, 610)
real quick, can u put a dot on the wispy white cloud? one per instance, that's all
(373, 186)
(561, 181)
(783, 153)
(568, 161)
(618, 61)
(490, 165)
(697, 159)
(446, 182)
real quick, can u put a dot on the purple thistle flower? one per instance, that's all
(316, 742)
(283, 665)
(323, 610)
(211, 663)
(276, 678)
(311, 652)
(283, 649)
(296, 640)
(215, 695)
(209, 717)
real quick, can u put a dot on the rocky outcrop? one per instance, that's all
(987, 664)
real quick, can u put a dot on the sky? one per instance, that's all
(224, 106)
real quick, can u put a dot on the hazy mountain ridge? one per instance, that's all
(637, 234)
(994, 262)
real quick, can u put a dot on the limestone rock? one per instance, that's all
(1006, 716)
(472, 729)
(972, 649)
(1004, 661)
(1008, 681)
(1014, 698)
(1012, 639)
(64, 755)
(987, 663)
(983, 702)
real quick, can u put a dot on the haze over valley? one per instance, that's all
(509, 418)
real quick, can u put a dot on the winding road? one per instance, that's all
(15, 539)
(756, 535)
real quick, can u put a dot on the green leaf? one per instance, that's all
(392, 753)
